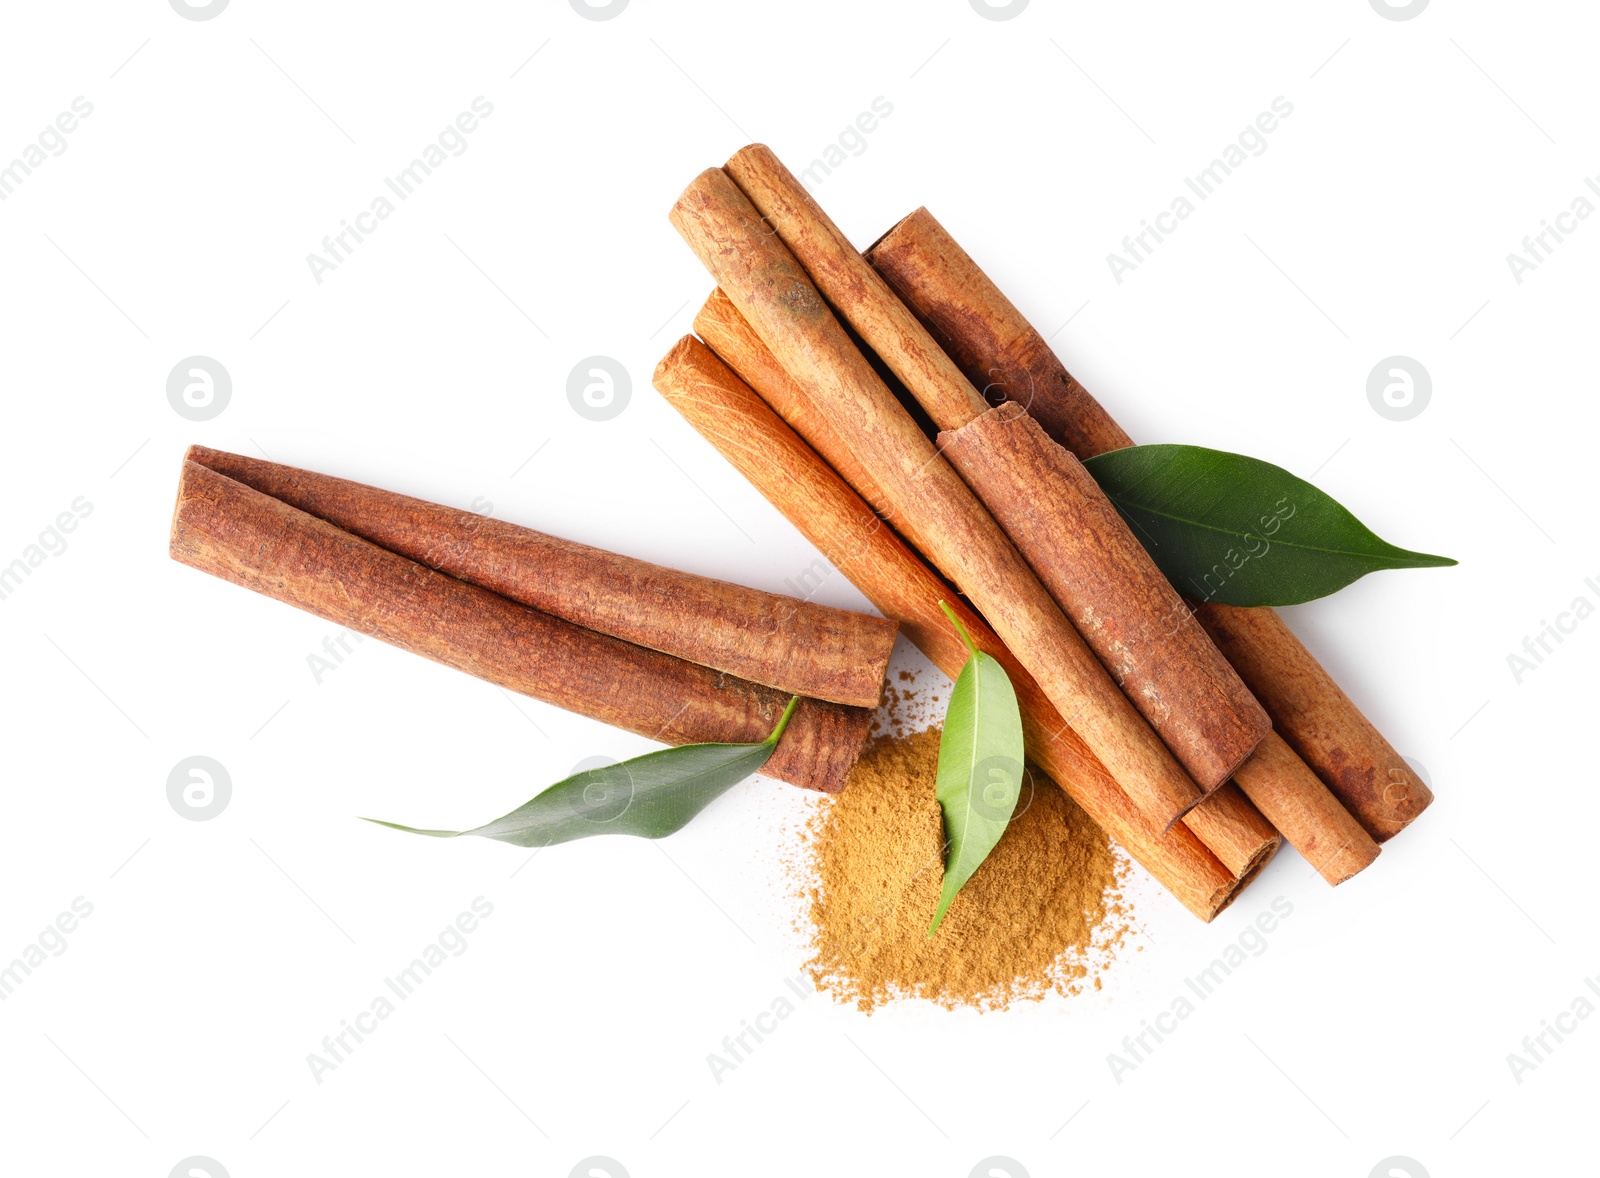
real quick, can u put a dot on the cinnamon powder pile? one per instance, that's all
(1040, 916)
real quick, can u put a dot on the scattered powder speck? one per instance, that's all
(1041, 916)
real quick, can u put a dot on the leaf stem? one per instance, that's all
(783, 721)
(960, 629)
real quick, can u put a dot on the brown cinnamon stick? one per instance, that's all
(1300, 806)
(857, 542)
(1230, 826)
(1318, 720)
(993, 343)
(987, 337)
(853, 287)
(1081, 548)
(792, 645)
(235, 532)
(720, 325)
(774, 294)
(1122, 604)
(1226, 822)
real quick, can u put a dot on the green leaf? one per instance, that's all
(1224, 527)
(650, 796)
(980, 766)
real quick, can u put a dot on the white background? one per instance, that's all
(434, 361)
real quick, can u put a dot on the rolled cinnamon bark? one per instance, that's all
(851, 536)
(994, 344)
(1124, 607)
(1103, 580)
(1317, 719)
(776, 297)
(1229, 826)
(235, 532)
(720, 325)
(989, 340)
(1300, 806)
(853, 287)
(783, 642)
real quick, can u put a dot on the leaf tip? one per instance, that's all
(437, 834)
(939, 913)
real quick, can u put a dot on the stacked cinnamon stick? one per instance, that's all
(669, 655)
(1194, 736)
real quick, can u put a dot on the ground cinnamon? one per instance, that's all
(1026, 925)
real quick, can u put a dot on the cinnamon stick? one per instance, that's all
(783, 642)
(853, 287)
(986, 336)
(1310, 817)
(1081, 548)
(1230, 826)
(774, 294)
(719, 323)
(234, 532)
(1122, 604)
(1226, 822)
(835, 519)
(992, 342)
(1318, 720)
